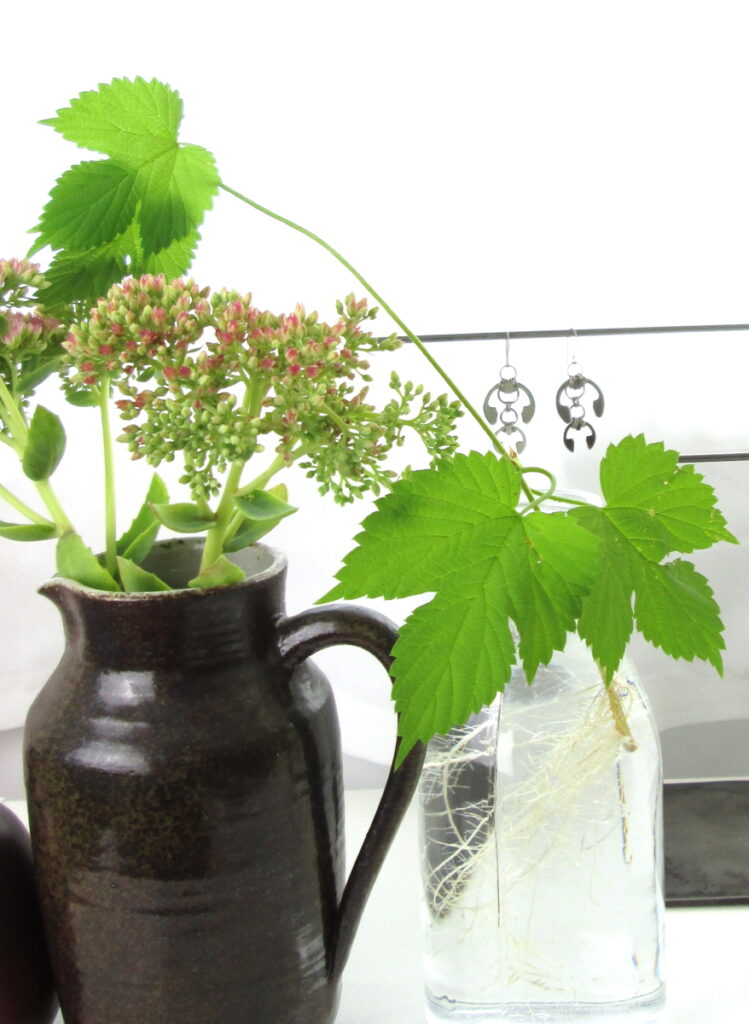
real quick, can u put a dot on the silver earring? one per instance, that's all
(507, 392)
(570, 407)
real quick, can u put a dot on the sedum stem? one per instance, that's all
(22, 507)
(217, 535)
(50, 499)
(110, 508)
(257, 484)
(12, 415)
(263, 478)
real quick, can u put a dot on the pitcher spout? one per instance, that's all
(54, 590)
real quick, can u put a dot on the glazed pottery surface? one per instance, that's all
(26, 993)
(185, 802)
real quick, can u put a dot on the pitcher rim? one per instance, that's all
(277, 563)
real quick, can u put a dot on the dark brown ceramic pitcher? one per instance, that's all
(185, 800)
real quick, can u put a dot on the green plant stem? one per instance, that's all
(7, 439)
(12, 415)
(620, 718)
(257, 484)
(50, 499)
(110, 507)
(541, 496)
(263, 478)
(391, 313)
(22, 507)
(216, 536)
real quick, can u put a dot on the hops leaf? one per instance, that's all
(145, 202)
(455, 530)
(499, 576)
(653, 507)
(91, 204)
(127, 120)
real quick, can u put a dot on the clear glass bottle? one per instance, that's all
(541, 826)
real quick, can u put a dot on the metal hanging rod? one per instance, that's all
(727, 457)
(598, 332)
(583, 332)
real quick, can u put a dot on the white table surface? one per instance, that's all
(707, 968)
(707, 972)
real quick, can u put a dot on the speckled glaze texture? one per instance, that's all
(185, 801)
(26, 992)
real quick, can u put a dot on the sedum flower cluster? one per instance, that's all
(30, 341)
(219, 380)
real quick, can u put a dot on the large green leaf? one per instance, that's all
(675, 610)
(172, 261)
(455, 531)
(127, 120)
(657, 504)
(653, 507)
(499, 575)
(152, 187)
(91, 204)
(83, 276)
(431, 522)
(176, 190)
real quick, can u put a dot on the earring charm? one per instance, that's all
(508, 391)
(570, 408)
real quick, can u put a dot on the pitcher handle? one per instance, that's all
(301, 636)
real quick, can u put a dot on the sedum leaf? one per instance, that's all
(137, 540)
(262, 511)
(83, 398)
(77, 562)
(220, 574)
(455, 531)
(136, 580)
(261, 506)
(183, 517)
(27, 531)
(45, 444)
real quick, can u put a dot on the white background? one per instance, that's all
(488, 166)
